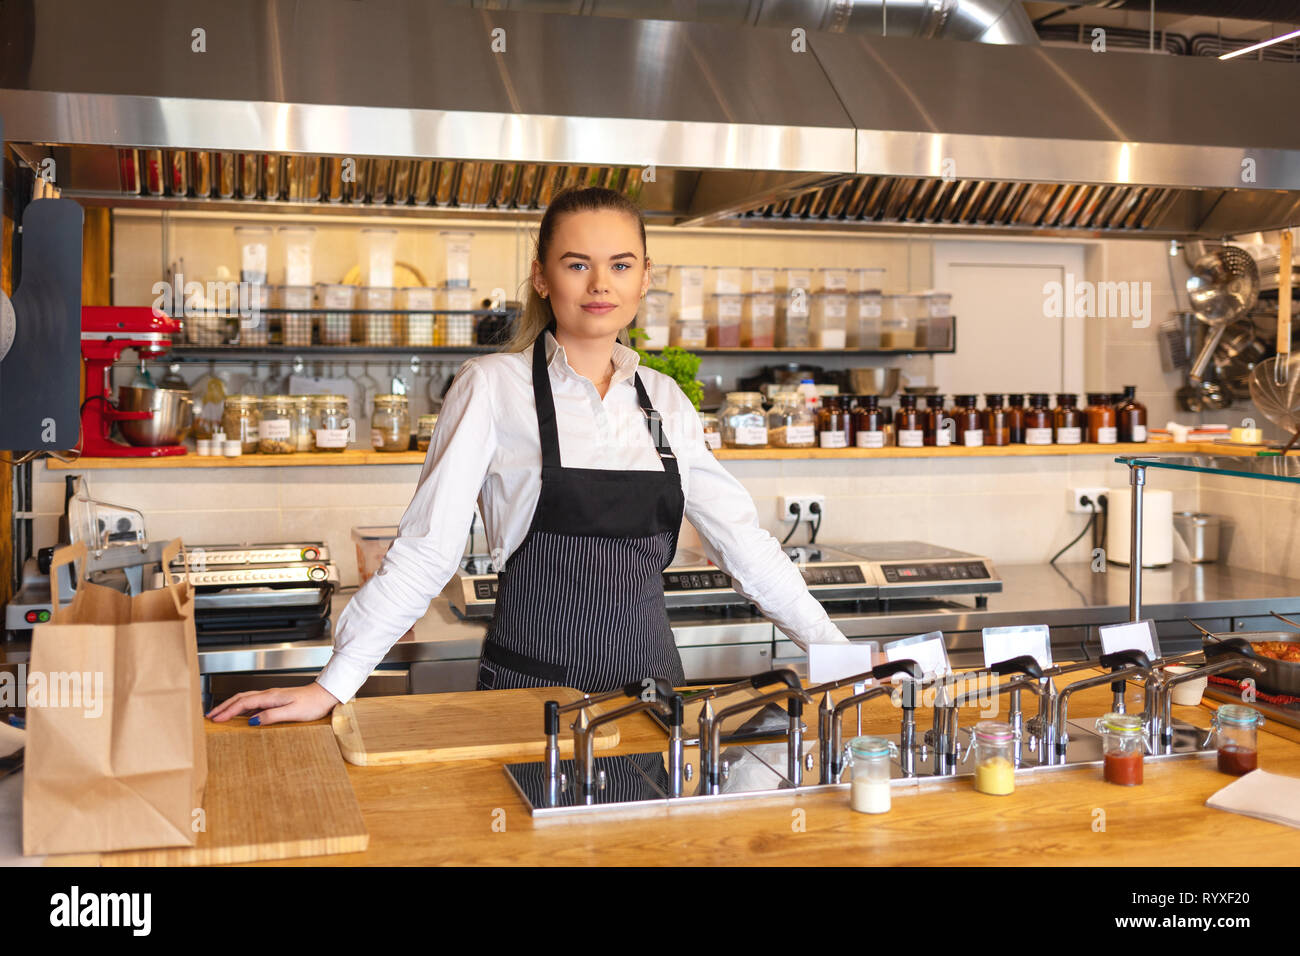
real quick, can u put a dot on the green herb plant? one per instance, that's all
(677, 363)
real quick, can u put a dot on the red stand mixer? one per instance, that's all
(107, 332)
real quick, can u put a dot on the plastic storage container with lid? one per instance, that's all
(1123, 743)
(995, 772)
(278, 430)
(1235, 736)
(297, 244)
(240, 419)
(898, 323)
(457, 321)
(296, 320)
(829, 319)
(332, 428)
(862, 326)
(686, 283)
(791, 422)
(390, 425)
(378, 257)
(760, 279)
(418, 302)
(254, 253)
(255, 328)
(744, 424)
(724, 280)
(336, 302)
(689, 333)
(832, 279)
(869, 784)
(379, 326)
(725, 310)
(758, 320)
(866, 279)
(456, 246)
(656, 319)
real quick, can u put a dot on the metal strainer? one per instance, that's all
(1224, 285)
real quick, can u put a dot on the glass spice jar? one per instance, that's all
(1068, 422)
(869, 784)
(1235, 737)
(712, 430)
(424, 431)
(277, 432)
(909, 423)
(240, 420)
(332, 429)
(744, 425)
(303, 406)
(832, 423)
(1038, 420)
(995, 773)
(390, 425)
(970, 423)
(868, 423)
(1132, 416)
(1016, 419)
(997, 421)
(791, 422)
(936, 435)
(1102, 428)
(1123, 743)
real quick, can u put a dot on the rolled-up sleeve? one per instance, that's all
(723, 513)
(431, 537)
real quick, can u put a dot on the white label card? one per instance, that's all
(1006, 643)
(1130, 637)
(828, 662)
(928, 650)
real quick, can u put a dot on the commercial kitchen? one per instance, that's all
(989, 312)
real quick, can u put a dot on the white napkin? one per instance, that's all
(1263, 795)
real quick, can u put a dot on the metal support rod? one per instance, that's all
(1137, 479)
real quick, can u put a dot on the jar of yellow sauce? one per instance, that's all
(994, 770)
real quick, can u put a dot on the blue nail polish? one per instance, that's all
(254, 721)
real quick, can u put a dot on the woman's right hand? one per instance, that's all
(277, 705)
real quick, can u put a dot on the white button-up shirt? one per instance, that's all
(486, 446)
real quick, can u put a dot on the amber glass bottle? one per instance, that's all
(935, 434)
(997, 421)
(1016, 418)
(1132, 416)
(832, 423)
(909, 424)
(1038, 420)
(970, 423)
(1068, 422)
(868, 423)
(1101, 419)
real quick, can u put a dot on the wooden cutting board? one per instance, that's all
(419, 728)
(273, 793)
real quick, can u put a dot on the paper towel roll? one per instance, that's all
(1157, 526)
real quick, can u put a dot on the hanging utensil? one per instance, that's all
(1274, 387)
(1223, 286)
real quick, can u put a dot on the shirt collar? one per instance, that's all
(626, 360)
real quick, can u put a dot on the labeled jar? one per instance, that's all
(712, 430)
(832, 423)
(1038, 420)
(1123, 744)
(390, 425)
(1101, 419)
(1068, 422)
(1235, 736)
(1131, 416)
(332, 429)
(240, 418)
(869, 423)
(869, 787)
(1016, 419)
(995, 773)
(791, 422)
(424, 431)
(936, 435)
(744, 425)
(909, 423)
(277, 433)
(997, 421)
(970, 423)
(303, 412)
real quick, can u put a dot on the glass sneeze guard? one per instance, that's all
(1267, 467)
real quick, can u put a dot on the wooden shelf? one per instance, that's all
(365, 457)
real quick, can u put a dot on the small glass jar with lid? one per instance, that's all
(240, 420)
(277, 432)
(970, 423)
(936, 435)
(869, 787)
(1068, 422)
(303, 409)
(1016, 418)
(1102, 426)
(869, 423)
(744, 424)
(909, 423)
(1235, 728)
(390, 425)
(1132, 416)
(832, 423)
(791, 422)
(991, 743)
(1038, 420)
(997, 421)
(332, 429)
(712, 430)
(1123, 744)
(424, 431)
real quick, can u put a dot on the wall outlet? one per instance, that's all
(1074, 499)
(787, 502)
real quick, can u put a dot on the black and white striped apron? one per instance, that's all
(580, 603)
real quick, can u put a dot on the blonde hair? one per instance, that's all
(537, 313)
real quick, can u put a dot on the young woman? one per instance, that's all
(583, 466)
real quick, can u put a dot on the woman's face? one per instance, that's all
(595, 274)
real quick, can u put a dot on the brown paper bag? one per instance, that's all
(116, 758)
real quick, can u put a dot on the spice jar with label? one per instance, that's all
(869, 423)
(424, 431)
(303, 406)
(1038, 420)
(712, 430)
(1016, 418)
(832, 423)
(390, 425)
(331, 427)
(995, 774)
(1068, 421)
(791, 422)
(744, 424)
(1235, 728)
(936, 435)
(1101, 419)
(970, 423)
(240, 418)
(909, 423)
(277, 431)
(1123, 743)
(997, 421)
(1132, 416)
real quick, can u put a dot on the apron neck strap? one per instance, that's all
(550, 436)
(655, 424)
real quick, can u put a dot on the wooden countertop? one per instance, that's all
(444, 813)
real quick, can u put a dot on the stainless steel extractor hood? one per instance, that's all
(489, 112)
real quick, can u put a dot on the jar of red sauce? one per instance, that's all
(1123, 744)
(1235, 730)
